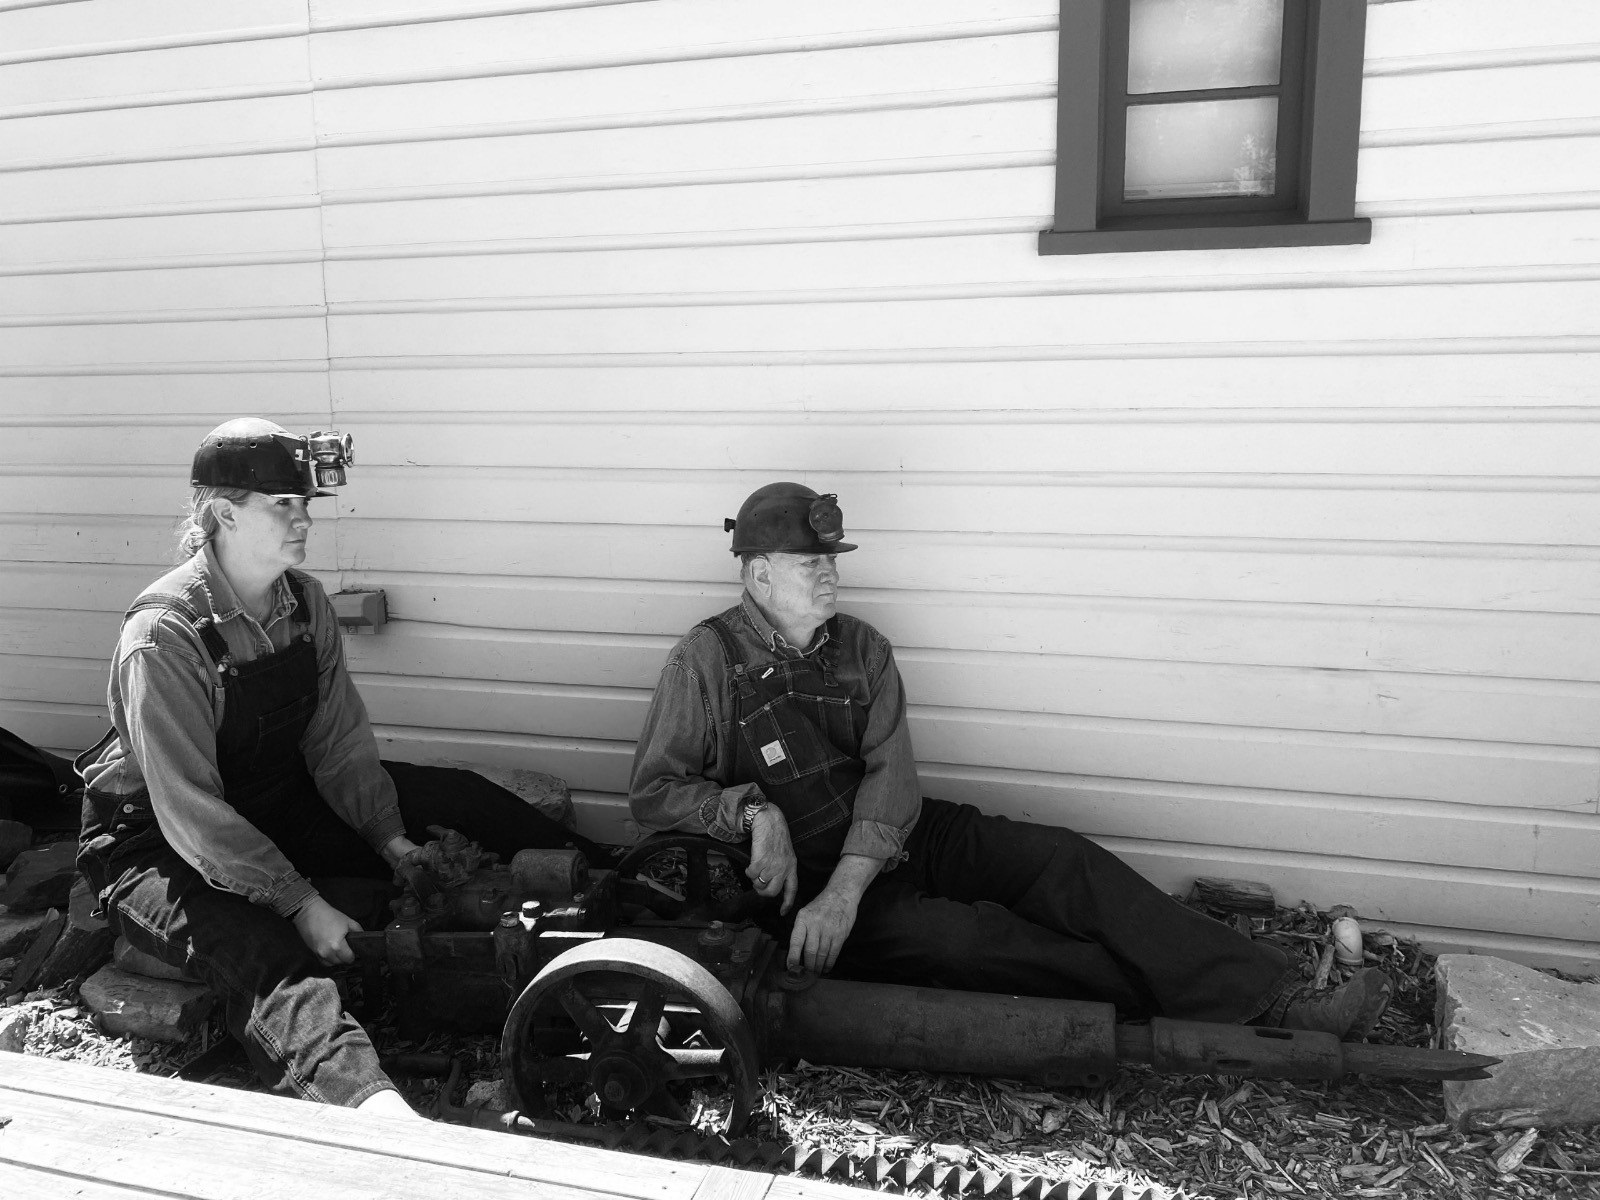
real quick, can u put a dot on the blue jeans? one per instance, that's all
(983, 903)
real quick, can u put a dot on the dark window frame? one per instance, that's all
(1314, 204)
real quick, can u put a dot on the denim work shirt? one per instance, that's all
(684, 761)
(166, 708)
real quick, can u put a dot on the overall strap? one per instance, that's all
(730, 650)
(206, 627)
(302, 614)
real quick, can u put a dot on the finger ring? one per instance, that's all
(761, 879)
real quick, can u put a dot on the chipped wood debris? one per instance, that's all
(1204, 1138)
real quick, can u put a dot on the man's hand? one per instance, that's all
(396, 848)
(821, 927)
(323, 928)
(772, 863)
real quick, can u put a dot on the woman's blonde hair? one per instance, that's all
(199, 523)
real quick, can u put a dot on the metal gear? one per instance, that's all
(626, 1018)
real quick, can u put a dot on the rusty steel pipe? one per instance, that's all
(1053, 1042)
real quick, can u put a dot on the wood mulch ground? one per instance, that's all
(1181, 1136)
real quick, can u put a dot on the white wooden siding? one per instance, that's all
(1280, 563)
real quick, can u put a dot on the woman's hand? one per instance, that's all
(323, 928)
(772, 862)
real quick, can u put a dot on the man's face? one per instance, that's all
(803, 589)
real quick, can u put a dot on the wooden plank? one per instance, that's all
(1476, 25)
(274, 1142)
(298, 334)
(1488, 168)
(1532, 92)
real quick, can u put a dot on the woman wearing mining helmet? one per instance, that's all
(240, 765)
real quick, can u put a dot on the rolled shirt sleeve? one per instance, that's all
(340, 751)
(889, 798)
(166, 694)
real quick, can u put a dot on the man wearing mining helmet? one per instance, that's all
(781, 724)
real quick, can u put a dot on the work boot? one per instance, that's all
(1348, 1011)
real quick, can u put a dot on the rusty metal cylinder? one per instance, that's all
(1202, 1048)
(554, 876)
(1057, 1043)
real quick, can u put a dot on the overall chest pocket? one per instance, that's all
(787, 737)
(278, 731)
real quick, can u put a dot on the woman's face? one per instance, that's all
(270, 532)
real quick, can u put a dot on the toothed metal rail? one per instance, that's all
(875, 1171)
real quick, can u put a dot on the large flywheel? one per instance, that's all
(643, 1029)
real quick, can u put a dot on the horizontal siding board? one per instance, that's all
(135, 238)
(977, 563)
(125, 132)
(621, 31)
(272, 388)
(53, 27)
(130, 541)
(1099, 383)
(44, 194)
(106, 78)
(1504, 645)
(558, 269)
(1320, 447)
(798, 141)
(1489, 310)
(294, 336)
(192, 289)
(1371, 514)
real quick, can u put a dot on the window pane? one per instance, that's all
(1202, 148)
(1179, 45)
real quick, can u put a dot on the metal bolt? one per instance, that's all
(615, 1092)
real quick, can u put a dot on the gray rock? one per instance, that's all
(17, 932)
(15, 837)
(547, 793)
(162, 1009)
(136, 962)
(83, 944)
(1546, 1032)
(14, 1025)
(38, 950)
(41, 878)
(487, 1092)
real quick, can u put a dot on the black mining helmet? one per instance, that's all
(274, 464)
(788, 518)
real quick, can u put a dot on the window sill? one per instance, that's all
(1210, 236)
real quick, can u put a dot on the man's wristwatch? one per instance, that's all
(747, 814)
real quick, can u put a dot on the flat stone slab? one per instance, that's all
(14, 1025)
(1545, 1030)
(41, 878)
(136, 962)
(162, 1009)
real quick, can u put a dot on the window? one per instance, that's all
(1207, 124)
